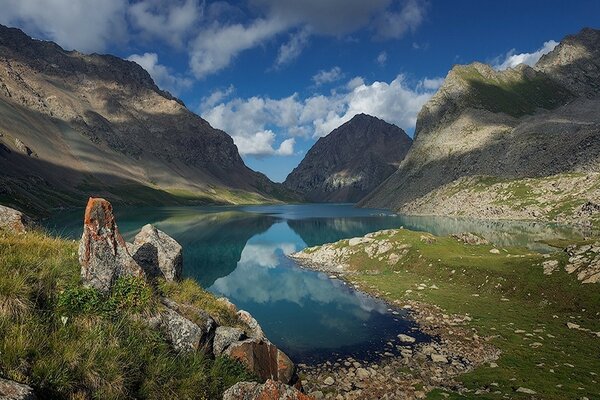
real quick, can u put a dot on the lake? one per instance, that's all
(240, 252)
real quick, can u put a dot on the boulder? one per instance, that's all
(225, 336)
(157, 253)
(14, 221)
(103, 253)
(270, 390)
(264, 359)
(10, 390)
(184, 334)
(470, 238)
(255, 331)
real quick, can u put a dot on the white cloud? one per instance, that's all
(85, 25)
(216, 97)
(395, 24)
(328, 76)
(215, 47)
(292, 49)
(382, 58)
(160, 73)
(511, 59)
(256, 123)
(170, 21)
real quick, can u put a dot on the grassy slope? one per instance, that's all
(473, 281)
(74, 343)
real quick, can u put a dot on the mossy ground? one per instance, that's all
(511, 301)
(71, 342)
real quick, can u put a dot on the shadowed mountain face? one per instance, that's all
(82, 124)
(513, 124)
(351, 161)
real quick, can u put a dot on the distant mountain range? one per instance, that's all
(519, 143)
(74, 125)
(351, 161)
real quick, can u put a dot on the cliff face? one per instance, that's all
(519, 123)
(351, 161)
(73, 124)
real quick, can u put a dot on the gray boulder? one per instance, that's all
(224, 337)
(103, 253)
(184, 334)
(14, 221)
(255, 331)
(157, 253)
(10, 390)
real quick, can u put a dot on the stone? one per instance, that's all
(572, 325)
(255, 331)
(225, 336)
(550, 266)
(406, 339)
(470, 238)
(264, 359)
(23, 148)
(14, 221)
(185, 334)
(329, 381)
(10, 390)
(270, 390)
(362, 373)
(103, 253)
(438, 358)
(157, 253)
(526, 390)
(495, 251)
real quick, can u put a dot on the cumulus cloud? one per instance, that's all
(292, 49)
(85, 25)
(328, 76)
(382, 58)
(253, 122)
(160, 73)
(170, 21)
(511, 59)
(216, 97)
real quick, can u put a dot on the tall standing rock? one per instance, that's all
(103, 253)
(157, 253)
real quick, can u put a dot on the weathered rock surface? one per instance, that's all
(492, 124)
(14, 221)
(97, 123)
(584, 261)
(270, 390)
(255, 331)
(264, 359)
(350, 161)
(103, 253)
(470, 238)
(10, 390)
(157, 253)
(225, 336)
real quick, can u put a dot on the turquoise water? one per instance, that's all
(240, 252)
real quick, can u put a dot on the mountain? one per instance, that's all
(350, 161)
(519, 143)
(73, 125)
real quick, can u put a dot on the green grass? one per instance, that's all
(71, 342)
(473, 281)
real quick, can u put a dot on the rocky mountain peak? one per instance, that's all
(350, 161)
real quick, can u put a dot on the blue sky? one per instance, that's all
(277, 74)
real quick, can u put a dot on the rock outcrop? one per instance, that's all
(264, 359)
(584, 261)
(184, 334)
(503, 127)
(224, 337)
(10, 390)
(80, 124)
(159, 255)
(14, 221)
(270, 390)
(351, 161)
(103, 253)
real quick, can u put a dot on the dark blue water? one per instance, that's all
(240, 252)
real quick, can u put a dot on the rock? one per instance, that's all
(589, 209)
(406, 339)
(329, 381)
(264, 359)
(23, 148)
(470, 238)
(526, 391)
(270, 390)
(10, 390)
(429, 239)
(14, 221)
(438, 358)
(550, 266)
(495, 251)
(255, 331)
(225, 336)
(103, 253)
(571, 325)
(184, 334)
(230, 306)
(158, 254)
(362, 373)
